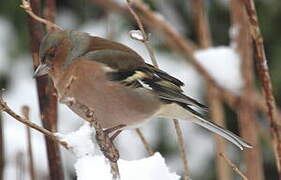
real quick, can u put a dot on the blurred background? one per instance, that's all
(90, 16)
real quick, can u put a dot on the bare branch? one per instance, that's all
(4, 107)
(235, 168)
(262, 67)
(27, 8)
(145, 143)
(25, 112)
(175, 121)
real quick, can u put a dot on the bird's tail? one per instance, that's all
(187, 113)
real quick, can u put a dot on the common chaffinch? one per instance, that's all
(116, 83)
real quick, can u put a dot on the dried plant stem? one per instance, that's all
(26, 5)
(215, 103)
(105, 143)
(246, 111)
(235, 168)
(145, 143)
(262, 67)
(145, 36)
(201, 24)
(182, 149)
(25, 112)
(217, 116)
(153, 59)
(5, 108)
(154, 62)
(2, 152)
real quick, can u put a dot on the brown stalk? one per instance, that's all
(201, 24)
(264, 76)
(26, 5)
(233, 166)
(105, 143)
(215, 103)
(2, 146)
(25, 112)
(246, 111)
(154, 62)
(153, 59)
(49, 110)
(145, 143)
(217, 116)
(5, 108)
(45, 89)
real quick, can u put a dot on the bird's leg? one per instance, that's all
(118, 130)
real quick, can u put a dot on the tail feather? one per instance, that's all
(187, 113)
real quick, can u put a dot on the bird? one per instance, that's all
(117, 84)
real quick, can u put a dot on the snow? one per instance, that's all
(136, 34)
(91, 165)
(223, 63)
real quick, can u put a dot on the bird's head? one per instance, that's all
(60, 48)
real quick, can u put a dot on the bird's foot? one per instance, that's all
(117, 129)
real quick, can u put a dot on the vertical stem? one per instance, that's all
(182, 149)
(215, 103)
(246, 111)
(201, 24)
(20, 169)
(2, 152)
(144, 141)
(46, 95)
(25, 112)
(217, 116)
(261, 62)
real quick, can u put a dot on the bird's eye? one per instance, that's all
(52, 55)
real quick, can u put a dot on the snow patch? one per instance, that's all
(223, 63)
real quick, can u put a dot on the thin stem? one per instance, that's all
(25, 112)
(233, 166)
(182, 149)
(27, 8)
(261, 62)
(145, 39)
(154, 62)
(4, 107)
(144, 141)
(246, 111)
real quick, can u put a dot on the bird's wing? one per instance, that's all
(130, 69)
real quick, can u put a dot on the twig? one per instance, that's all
(106, 146)
(27, 8)
(25, 112)
(262, 67)
(246, 111)
(182, 149)
(145, 143)
(201, 24)
(145, 37)
(215, 103)
(4, 107)
(235, 168)
(154, 62)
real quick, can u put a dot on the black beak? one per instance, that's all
(41, 70)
